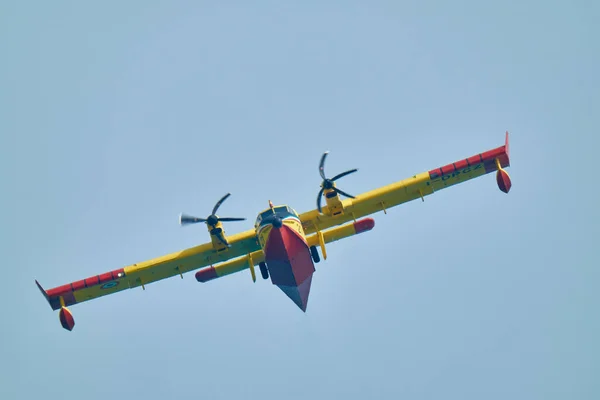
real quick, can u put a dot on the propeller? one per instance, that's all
(329, 183)
(212, 220)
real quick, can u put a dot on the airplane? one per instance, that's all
(284, 244)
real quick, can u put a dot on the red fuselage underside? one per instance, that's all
(290, 265)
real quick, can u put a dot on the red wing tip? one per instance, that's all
(506, 148)
(41, 289)
(45, 294)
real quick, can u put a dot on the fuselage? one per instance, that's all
(287, 254)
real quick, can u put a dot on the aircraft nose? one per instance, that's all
(277, 222)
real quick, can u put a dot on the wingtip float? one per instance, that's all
(502, 177)
(284, 244)
(480, 164)
(64, 315)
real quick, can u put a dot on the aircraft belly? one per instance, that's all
(290, 265)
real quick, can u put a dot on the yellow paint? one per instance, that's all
(384, 198)
(217, 244)
(238, 264)
(316, 227)
(369, 203)
(322, 244)
(264, 235)
(333, 205)
(332, 235)
(187, 260)
(241, 263)
(251, 265)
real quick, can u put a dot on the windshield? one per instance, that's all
(281, 211)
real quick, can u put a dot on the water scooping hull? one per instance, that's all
(290, 265)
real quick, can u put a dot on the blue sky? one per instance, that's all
(114, 118)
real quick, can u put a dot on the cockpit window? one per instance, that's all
(281, 211)
(265, 214)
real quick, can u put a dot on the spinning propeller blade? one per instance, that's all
(329, 183)
(216, 207)
(185, 219)
(212, 220)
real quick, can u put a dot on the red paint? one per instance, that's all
(503, 180)
(474, 160)
(504, 160)
(448, 169)
(461, 164)
(106, 277)
(488, 159)
(364, 225)
(57, 291)
(115, 274)
(299, 294)
(288, 257)
(290, 265)
(491, 155)
(88, 282)
(78, 285)
(67, 291)
(66, 319)
(206, 274)
(91, 281)
(506, 150)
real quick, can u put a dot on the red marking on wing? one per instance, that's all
(447, 169)
(506, 149)
(57, 291)
(91, 281)
(488, 158)
(67, 291)
(78, 285)
(461, 164)
(105, 277)
(491, 155)
(474, 160)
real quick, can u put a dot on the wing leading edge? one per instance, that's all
(245, 252)
(146, 272)
(416, 187)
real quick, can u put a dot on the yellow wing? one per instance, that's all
(322, 228)
(339, 211)
(245, 252)
(146, 272)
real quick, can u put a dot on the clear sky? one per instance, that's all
(117, 116)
